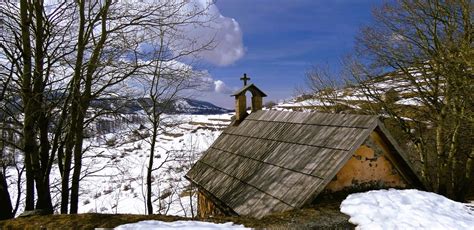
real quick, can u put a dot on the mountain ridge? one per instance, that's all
(177, 106)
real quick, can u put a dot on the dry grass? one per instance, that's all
(326, 216)
(79, 221)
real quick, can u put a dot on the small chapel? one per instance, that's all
(270, 161)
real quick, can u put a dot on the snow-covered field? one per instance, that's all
(118, 186)
(114, 166)
(406, 209)
(154, 224)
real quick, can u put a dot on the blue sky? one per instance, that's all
(284, 38)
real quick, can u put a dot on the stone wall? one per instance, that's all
(370, 167)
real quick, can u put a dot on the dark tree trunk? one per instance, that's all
(41, 160)
(30, 185)
(149, 203)
(29, 145)
(75, 103)
(6, 212)
(76, 174)
(65, 180)
(45, 159)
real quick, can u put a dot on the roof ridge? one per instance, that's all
(319, 112)
(301, 123)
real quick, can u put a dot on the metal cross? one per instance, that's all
(245, 79)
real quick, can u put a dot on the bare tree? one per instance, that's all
(326, 91)
(428, 47)
(66, 54)
(29, 45)
(165, 81)
(106, 59)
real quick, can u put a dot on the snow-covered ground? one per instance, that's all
(406, 209)
(114, 166)
(154, 224)
(118, 186)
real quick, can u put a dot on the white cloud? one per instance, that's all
(209, 84)
(223, 31)
(229, 47)
(221, 87)
(207, 25)
(220, 36)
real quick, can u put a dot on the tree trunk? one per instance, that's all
(29, 145)
(44, 197)
(30, 185)
(76, 174)
(65, 180)
(6, 212)
(43, 186)
(41, 160)
(149, 194)
(75, 92)
(442, 164)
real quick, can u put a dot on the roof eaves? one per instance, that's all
(247, 88)
(221, 205)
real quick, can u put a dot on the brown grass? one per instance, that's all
(316, 217)
(79, 221)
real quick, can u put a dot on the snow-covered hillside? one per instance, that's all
(114, 166)
(391, 86)
(191, 106)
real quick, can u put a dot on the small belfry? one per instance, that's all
(241, 100)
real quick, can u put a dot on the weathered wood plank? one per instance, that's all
(267, 204)
(325, 136)
(327, 161)
(303, 189)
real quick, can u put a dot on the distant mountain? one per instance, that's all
(179, 106)
(191, 106)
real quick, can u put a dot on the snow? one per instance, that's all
(114, 165)
(305, 103)
(116, 184)
(355, 96)
(406, 209)
(409, 101)
(154, 224)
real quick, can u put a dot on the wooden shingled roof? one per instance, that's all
(277, 160)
